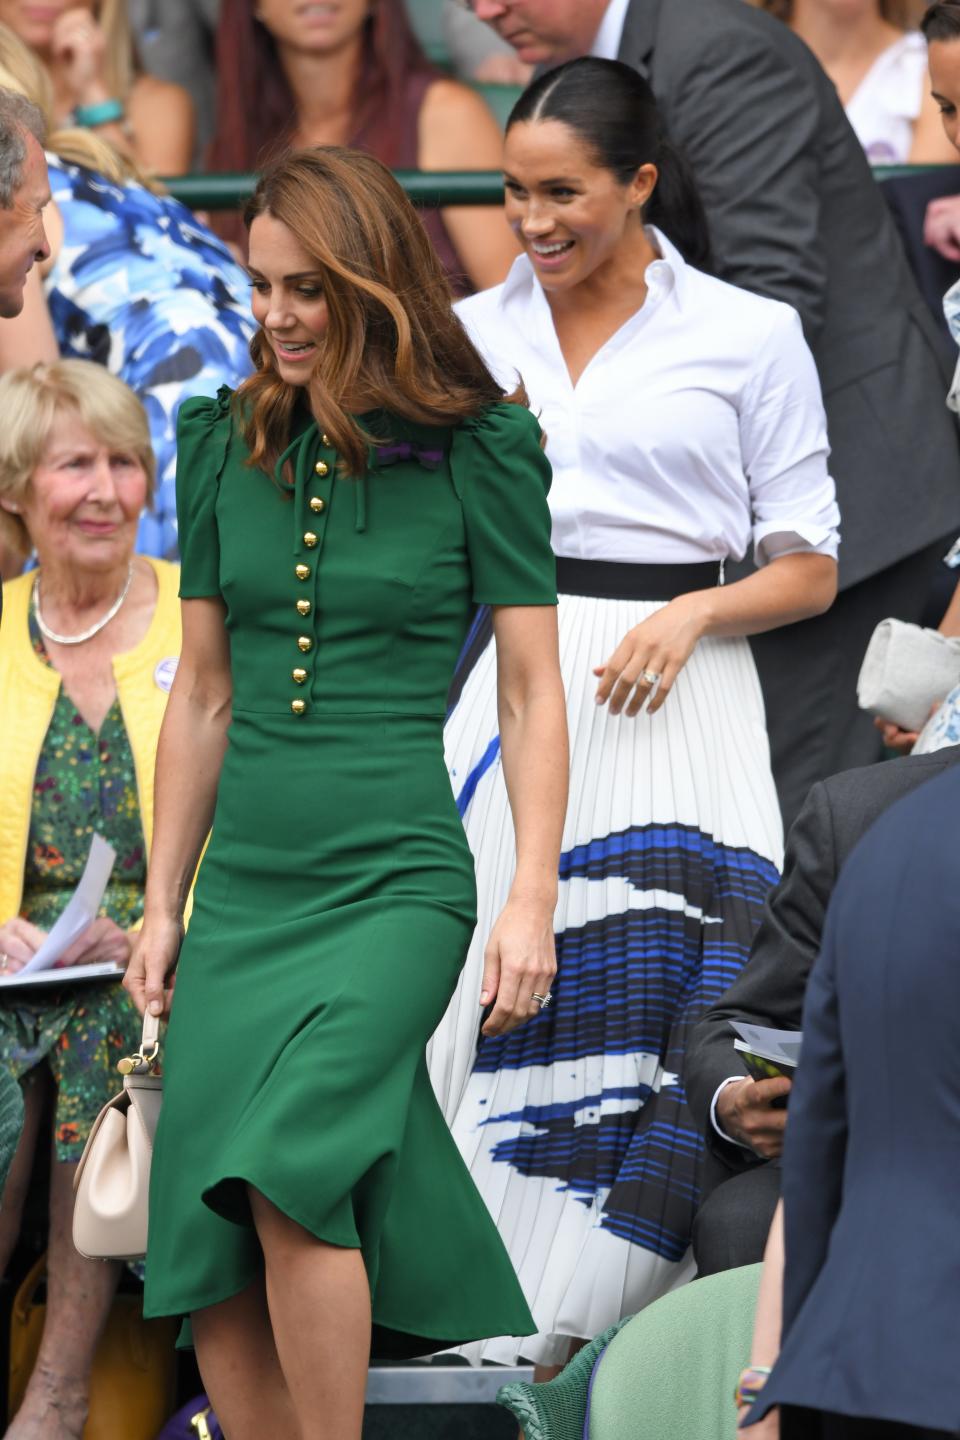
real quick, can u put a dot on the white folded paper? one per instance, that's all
(80, 909)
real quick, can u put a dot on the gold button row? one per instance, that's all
(302, 572)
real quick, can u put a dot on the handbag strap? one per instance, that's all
(145, 1061)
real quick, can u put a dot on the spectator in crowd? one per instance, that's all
(879, 66)
(352, 74)
(24, 191)
(24, 195)
(795, 213)
(662, 393)
(134, 281)
(739, 1117)
(477, 52)
(175, 40)
(870, 1306)
(87, 652)
(87, 49)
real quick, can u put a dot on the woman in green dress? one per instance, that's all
(340, 517)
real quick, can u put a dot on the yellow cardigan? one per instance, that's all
(28, 693)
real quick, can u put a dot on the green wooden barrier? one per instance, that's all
(439, 187)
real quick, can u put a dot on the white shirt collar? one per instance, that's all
(606, 46)
(662, 275)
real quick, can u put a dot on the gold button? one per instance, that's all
(304, 643)
(325, 440)
(298, 706)
(302, 572)
(322, 468)
(299, 674)
(317, 504)
(303, 607)
(309, 539)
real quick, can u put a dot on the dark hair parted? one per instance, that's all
(942, 21)
(612, 110)
(392, 341)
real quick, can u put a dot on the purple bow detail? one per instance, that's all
(392, 454)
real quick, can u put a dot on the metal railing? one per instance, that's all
(433, 188)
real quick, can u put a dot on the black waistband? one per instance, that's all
(609, 580)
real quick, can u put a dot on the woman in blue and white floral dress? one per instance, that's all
(137, 283)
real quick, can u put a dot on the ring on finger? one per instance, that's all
(650, 677)
(543, 1000)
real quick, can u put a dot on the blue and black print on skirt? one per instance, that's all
(575, 1127)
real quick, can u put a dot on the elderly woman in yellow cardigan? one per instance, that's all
(88, 646)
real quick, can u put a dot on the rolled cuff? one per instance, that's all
(789, 536)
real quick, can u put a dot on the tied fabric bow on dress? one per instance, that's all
(301, 454)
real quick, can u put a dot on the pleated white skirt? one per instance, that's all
(575, 1128)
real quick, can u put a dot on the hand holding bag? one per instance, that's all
(905, 671)
(113, 1177)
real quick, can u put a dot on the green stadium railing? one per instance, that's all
(431, 188)
(435, 187)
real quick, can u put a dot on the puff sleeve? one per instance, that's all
(502, 477)
(203, 434)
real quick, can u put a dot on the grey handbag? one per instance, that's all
(113, 1178)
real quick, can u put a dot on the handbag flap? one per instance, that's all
(119, 1102)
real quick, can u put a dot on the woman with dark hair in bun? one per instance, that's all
(683, 422)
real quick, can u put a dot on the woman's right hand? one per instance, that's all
(19, 942)
(150, 976)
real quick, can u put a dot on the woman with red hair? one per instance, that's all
(354, 74)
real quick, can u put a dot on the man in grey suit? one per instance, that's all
(795, 214)
(737, 1116)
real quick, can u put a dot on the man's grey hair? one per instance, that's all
(19, 117)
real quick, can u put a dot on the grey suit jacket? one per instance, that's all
(770, 988)
(795, 214)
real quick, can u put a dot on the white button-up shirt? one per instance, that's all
(697, 427)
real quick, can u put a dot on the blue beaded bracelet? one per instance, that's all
(104, 113)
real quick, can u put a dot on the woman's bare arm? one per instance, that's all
(790, 588)
(519, 959)
(458, 132)
(190, 754)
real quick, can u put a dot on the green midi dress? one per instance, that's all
(336, 898)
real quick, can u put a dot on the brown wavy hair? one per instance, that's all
(392, 341)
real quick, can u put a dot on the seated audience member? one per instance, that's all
(134, 281)
(174, 40)
(88, 647)
(87, 50)
(354, 74)
(738, 1117)
(880, 70)
(479, 54)
(870, 1305)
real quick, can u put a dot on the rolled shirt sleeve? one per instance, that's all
(783, 438)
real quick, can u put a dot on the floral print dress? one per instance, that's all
(84, 783)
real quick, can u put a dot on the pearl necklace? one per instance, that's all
(49, 634)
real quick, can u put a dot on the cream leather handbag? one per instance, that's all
(113, 1177)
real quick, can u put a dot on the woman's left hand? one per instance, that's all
(519, 962)
(102, 941)
(660, 646)
(79, 47)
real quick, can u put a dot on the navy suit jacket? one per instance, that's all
(872, 1157)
